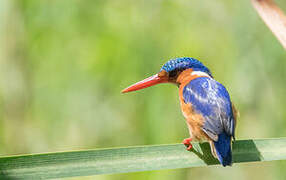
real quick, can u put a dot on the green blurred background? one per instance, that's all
(64, 63)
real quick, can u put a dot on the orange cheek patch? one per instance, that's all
(185, 77)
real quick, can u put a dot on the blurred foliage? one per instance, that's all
(64, 63)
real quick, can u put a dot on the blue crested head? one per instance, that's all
(181, 64)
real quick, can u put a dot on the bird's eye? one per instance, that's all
(172, 74)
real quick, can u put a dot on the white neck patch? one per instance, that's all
(199, 73)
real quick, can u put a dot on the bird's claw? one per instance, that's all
(187, 143)
(189, 147)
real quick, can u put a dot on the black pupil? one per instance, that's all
(172, 73)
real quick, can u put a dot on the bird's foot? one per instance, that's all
(187, 143)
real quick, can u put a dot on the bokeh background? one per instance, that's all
(64, 63)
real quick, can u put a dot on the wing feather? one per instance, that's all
(211, 99)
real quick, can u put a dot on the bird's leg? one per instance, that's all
(187, 143)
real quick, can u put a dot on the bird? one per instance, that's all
(205, 104)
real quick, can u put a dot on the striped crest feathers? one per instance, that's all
(180, 64)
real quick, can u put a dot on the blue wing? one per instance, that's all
(211, 99)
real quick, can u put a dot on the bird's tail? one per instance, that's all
(223, 149)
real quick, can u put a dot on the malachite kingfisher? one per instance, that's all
(205, 104)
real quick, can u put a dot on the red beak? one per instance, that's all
(150, 81)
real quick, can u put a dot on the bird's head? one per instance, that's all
(170, 72)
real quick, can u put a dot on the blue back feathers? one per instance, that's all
(210, 99)
(185, 63)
